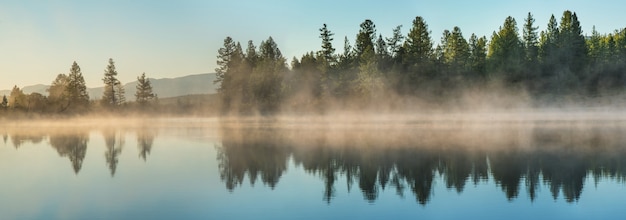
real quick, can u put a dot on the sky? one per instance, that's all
(172, 38)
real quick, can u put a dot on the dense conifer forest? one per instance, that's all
(557, 66)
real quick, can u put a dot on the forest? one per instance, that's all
(558, 66)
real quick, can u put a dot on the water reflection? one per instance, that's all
(114, 145)
(559, 156)
(409, 159)
(20, 138)
(72, 145)
(145, 139)
(266, 157)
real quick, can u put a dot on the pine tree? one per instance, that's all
(572, 44)
(346, 70)
(121, 94)
(382, 54)
(418, 44)
(231, 72)
(506, 52)
(113, 94)
(144, 94)
(224, 58)
(530, 39)
(395, 42)
(478, 49)
(548, 43)
(326, 65)
(365, 38)
(416, 60)
(346, 59)
(456, 50)
(368, 84)
(328, 52)
(267, 77)
(251, 56)
(5, 102)
(76, 90)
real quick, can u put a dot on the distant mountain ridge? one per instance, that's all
(164, 88)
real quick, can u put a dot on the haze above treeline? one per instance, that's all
(407, 71)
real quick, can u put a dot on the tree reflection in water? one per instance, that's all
(145, 139)
(264, 157)
(411, 157)
(22, 137)
(114, 143)
(72, 145)
(407, 159)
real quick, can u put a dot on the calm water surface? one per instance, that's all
(205, 169)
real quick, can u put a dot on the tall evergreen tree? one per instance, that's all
(417, 58)
(548, 42)
(346, 70)
(594, 44)
(5, 102)
(395, 42)
(456, 49)
(597, 61)
(328, 52)
(572, 44)
(251, 56)
(506, 52)
(121, 94)
(347, 58)
(267, 77)
(224, 57)
(113, 94)
(369, 85)
(478, 56)
(531, 38)
(76, 90)
(232, 73)
(328, 65)
(365, 38)
(144, 94)
(382, 54)
(418, 44)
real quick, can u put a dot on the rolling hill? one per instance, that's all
(164, 88)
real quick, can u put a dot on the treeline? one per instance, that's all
(556, 64)
(68, 95)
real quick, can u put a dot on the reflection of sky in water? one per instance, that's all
(180, 179)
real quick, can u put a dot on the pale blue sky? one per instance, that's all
(39, 39)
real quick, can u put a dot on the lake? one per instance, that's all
(198, 168)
